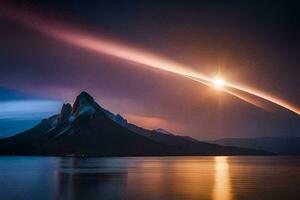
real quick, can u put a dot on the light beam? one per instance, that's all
(107, 47)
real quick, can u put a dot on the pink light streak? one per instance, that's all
(145, 59)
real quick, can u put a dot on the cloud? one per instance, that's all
(28, 109)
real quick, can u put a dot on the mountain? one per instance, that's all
(278, 145)
(164, 137)
(85, 128)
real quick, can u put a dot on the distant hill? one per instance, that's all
(85, 128)
(278, 145)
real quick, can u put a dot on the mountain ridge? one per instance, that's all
(85, 128)
(278, 145)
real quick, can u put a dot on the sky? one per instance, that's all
(255, 44)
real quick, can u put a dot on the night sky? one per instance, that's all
(254, 44)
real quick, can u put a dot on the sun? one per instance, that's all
(219, 83)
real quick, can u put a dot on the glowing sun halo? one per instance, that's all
(145, 59)
(219, 83)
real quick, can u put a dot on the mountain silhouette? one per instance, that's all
(87, 129)
(278, 145)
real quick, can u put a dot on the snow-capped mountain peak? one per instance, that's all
(86, 106)
(84, 103)
(160, 130)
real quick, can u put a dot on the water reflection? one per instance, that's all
(89, 179)
(138, 178)
(148, 178)
(222, 185)
(171, 178)
(135, 178)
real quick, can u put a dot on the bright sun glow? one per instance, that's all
(219, 83)
(145, 59)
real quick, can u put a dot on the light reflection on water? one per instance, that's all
(222, 185)
(143, 178)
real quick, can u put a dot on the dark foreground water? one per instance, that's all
(153, 178)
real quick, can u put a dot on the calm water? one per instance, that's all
(153, 178)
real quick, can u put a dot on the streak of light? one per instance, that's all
(263, 95)
(229, 91)
(248, 100)
(145, 59)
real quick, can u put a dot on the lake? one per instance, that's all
(153, 178)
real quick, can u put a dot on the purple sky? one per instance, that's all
(247, 44)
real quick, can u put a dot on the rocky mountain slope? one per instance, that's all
(85, 128)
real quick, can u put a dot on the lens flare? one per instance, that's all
(219, 83)
(145, 59)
